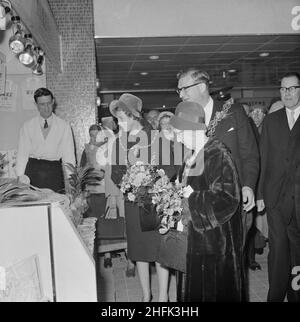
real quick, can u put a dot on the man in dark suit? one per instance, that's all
(280, 160)
(230, 125)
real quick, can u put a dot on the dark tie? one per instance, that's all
(45, 124)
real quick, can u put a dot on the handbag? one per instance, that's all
(111, 228)
(173, 250)
(149, 220)
(105, 228)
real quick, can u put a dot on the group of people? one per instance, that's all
(228, 168)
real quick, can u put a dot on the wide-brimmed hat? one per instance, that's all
(188, 116)
(164, 114)
(127, 103)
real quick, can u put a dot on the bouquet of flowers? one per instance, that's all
(137, 181)
(167, 197)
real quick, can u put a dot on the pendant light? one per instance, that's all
(27, 57)
(17, 42)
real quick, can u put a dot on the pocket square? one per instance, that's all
(231, 129)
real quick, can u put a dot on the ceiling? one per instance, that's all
(121, 60)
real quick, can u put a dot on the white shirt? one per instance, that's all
(289, 113)
(58, 144)
(208, 109)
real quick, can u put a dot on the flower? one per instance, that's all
(131, 196)
(136, 182)
(167, 197)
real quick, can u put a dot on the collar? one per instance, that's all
(296, 112)
(49, 120)
(209, 104)
(208, 109)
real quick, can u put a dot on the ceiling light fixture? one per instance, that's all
(154, 57)
(38, 70)
(231, 70)
(264, 54)
(17, 42)
(27, 56)
(144, 73)
(5, 8)
(136, 84)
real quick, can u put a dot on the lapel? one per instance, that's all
(283, 122)
(279, 127)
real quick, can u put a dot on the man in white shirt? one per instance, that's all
(280, 161)
(45, 143)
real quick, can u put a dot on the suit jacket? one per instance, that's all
(297, 195)
(236, 133)
(280, 159)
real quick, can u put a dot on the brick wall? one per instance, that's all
(75, 88)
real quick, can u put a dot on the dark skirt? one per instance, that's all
(142, 246)
(46, 174)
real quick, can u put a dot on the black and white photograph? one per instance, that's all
(149, 154)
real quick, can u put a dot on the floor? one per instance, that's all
(114, 286)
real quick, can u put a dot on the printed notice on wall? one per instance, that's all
(8, 100)
(2, 73)
(29, 86)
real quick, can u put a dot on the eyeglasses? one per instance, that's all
(291, 89)
(178, 90)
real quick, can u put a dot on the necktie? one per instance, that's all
(292, 119)
(45, 124)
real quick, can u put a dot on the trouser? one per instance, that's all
(45, 174)
(284, 256)
(247, 220)
(254, 239)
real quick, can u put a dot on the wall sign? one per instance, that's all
(28, 88)
(2, 72)
(8, 100)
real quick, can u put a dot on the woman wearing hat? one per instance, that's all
(164, 126)
(135, 139)
(214, 226)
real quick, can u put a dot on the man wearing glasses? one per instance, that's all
(280, 161)
(45, 143)
(234, 130)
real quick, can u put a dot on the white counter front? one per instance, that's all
(66, 268)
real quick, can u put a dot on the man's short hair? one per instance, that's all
(42, 92)
(94, 127)
(292, 74)
(197, 74)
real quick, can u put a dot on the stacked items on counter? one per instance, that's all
(87, 232)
